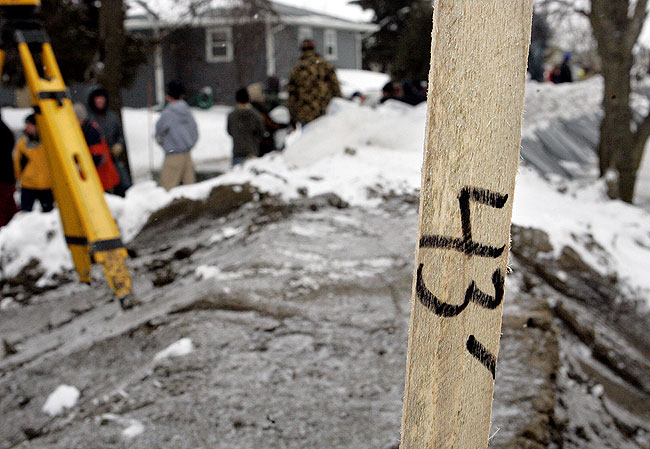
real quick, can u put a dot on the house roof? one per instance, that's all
(222, 16)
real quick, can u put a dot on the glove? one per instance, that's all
(117, 149)
(98, 159)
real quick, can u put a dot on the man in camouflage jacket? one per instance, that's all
(312, 85)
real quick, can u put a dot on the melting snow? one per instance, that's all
(64, 397)
(179, 348)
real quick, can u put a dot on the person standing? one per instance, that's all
(177, 133)
(111, 128)
(566, 75)
(7, 176)
(312, 85)
(260, 104)
(246, 126)
(108, 175)
(32, 169)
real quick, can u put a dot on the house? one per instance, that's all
(223, 49)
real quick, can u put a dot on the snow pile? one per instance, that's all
(547, 102)
(363, 154)
(212, 152)
(37, 237)
(363, 81)
(611, 236)
(179, 348)
(64, 397)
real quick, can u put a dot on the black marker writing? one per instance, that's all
(482, 354)
(473, 293)
(466, 244)
(471, 248)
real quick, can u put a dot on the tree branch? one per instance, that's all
(147, 8)
(642, 133)
(568, 5)
(636, 23)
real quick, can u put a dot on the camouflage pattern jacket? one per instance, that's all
(312, 84)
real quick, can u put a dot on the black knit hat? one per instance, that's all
(175, 89)
(307, 44)
(99, 91)
(241, 96)
(31, 118)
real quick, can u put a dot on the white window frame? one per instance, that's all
(209, 45)
(305, 32)
(330, 40)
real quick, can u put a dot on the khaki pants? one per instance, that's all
(177, 169)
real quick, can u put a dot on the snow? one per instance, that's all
(135, 428)
(362, 154)
(363, 81)
(132, 427)
(207, 272)
(338, 8)
(64, 397)
(179, 348)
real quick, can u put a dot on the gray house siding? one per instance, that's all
(287, 47)
(184, 58)
(142, 92)
(347, 43)
(287, 50)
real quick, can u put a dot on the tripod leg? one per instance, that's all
(91, 231)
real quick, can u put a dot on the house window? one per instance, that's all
(305, 33)
(218, 44)
(331, 45)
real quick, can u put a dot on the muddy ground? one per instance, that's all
(300, 338)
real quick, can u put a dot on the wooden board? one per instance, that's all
(476, 94)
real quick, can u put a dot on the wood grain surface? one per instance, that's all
(476, 94)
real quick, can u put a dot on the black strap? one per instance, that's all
(82, 241)
(58, 95)
(106, 245)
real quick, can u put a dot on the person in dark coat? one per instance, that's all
(565, 75)
(246, 127)
(312, 85)
(263, 106)
(8, 206)
(539, 36)
(99, 151)
(411, 93)
(111, 128)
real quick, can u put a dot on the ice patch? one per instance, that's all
(64, 397)
(226, 233)
(207, 272)
(135, 428)
(179, 348)
(132, 427)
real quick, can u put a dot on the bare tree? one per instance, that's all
(112, 43)
(616, 26)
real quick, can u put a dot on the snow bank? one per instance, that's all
(64, 397)
(213, 147)
(179, 348)
(361, 154)
(363, 81)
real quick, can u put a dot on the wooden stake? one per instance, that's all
(476, 95)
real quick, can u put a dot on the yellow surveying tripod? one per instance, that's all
(90, 230)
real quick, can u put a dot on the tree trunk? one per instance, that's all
(112, 41)
(616, 32)
(616, 137)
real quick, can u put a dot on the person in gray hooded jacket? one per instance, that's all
(177, 133)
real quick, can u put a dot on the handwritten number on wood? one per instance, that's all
(471, 248)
